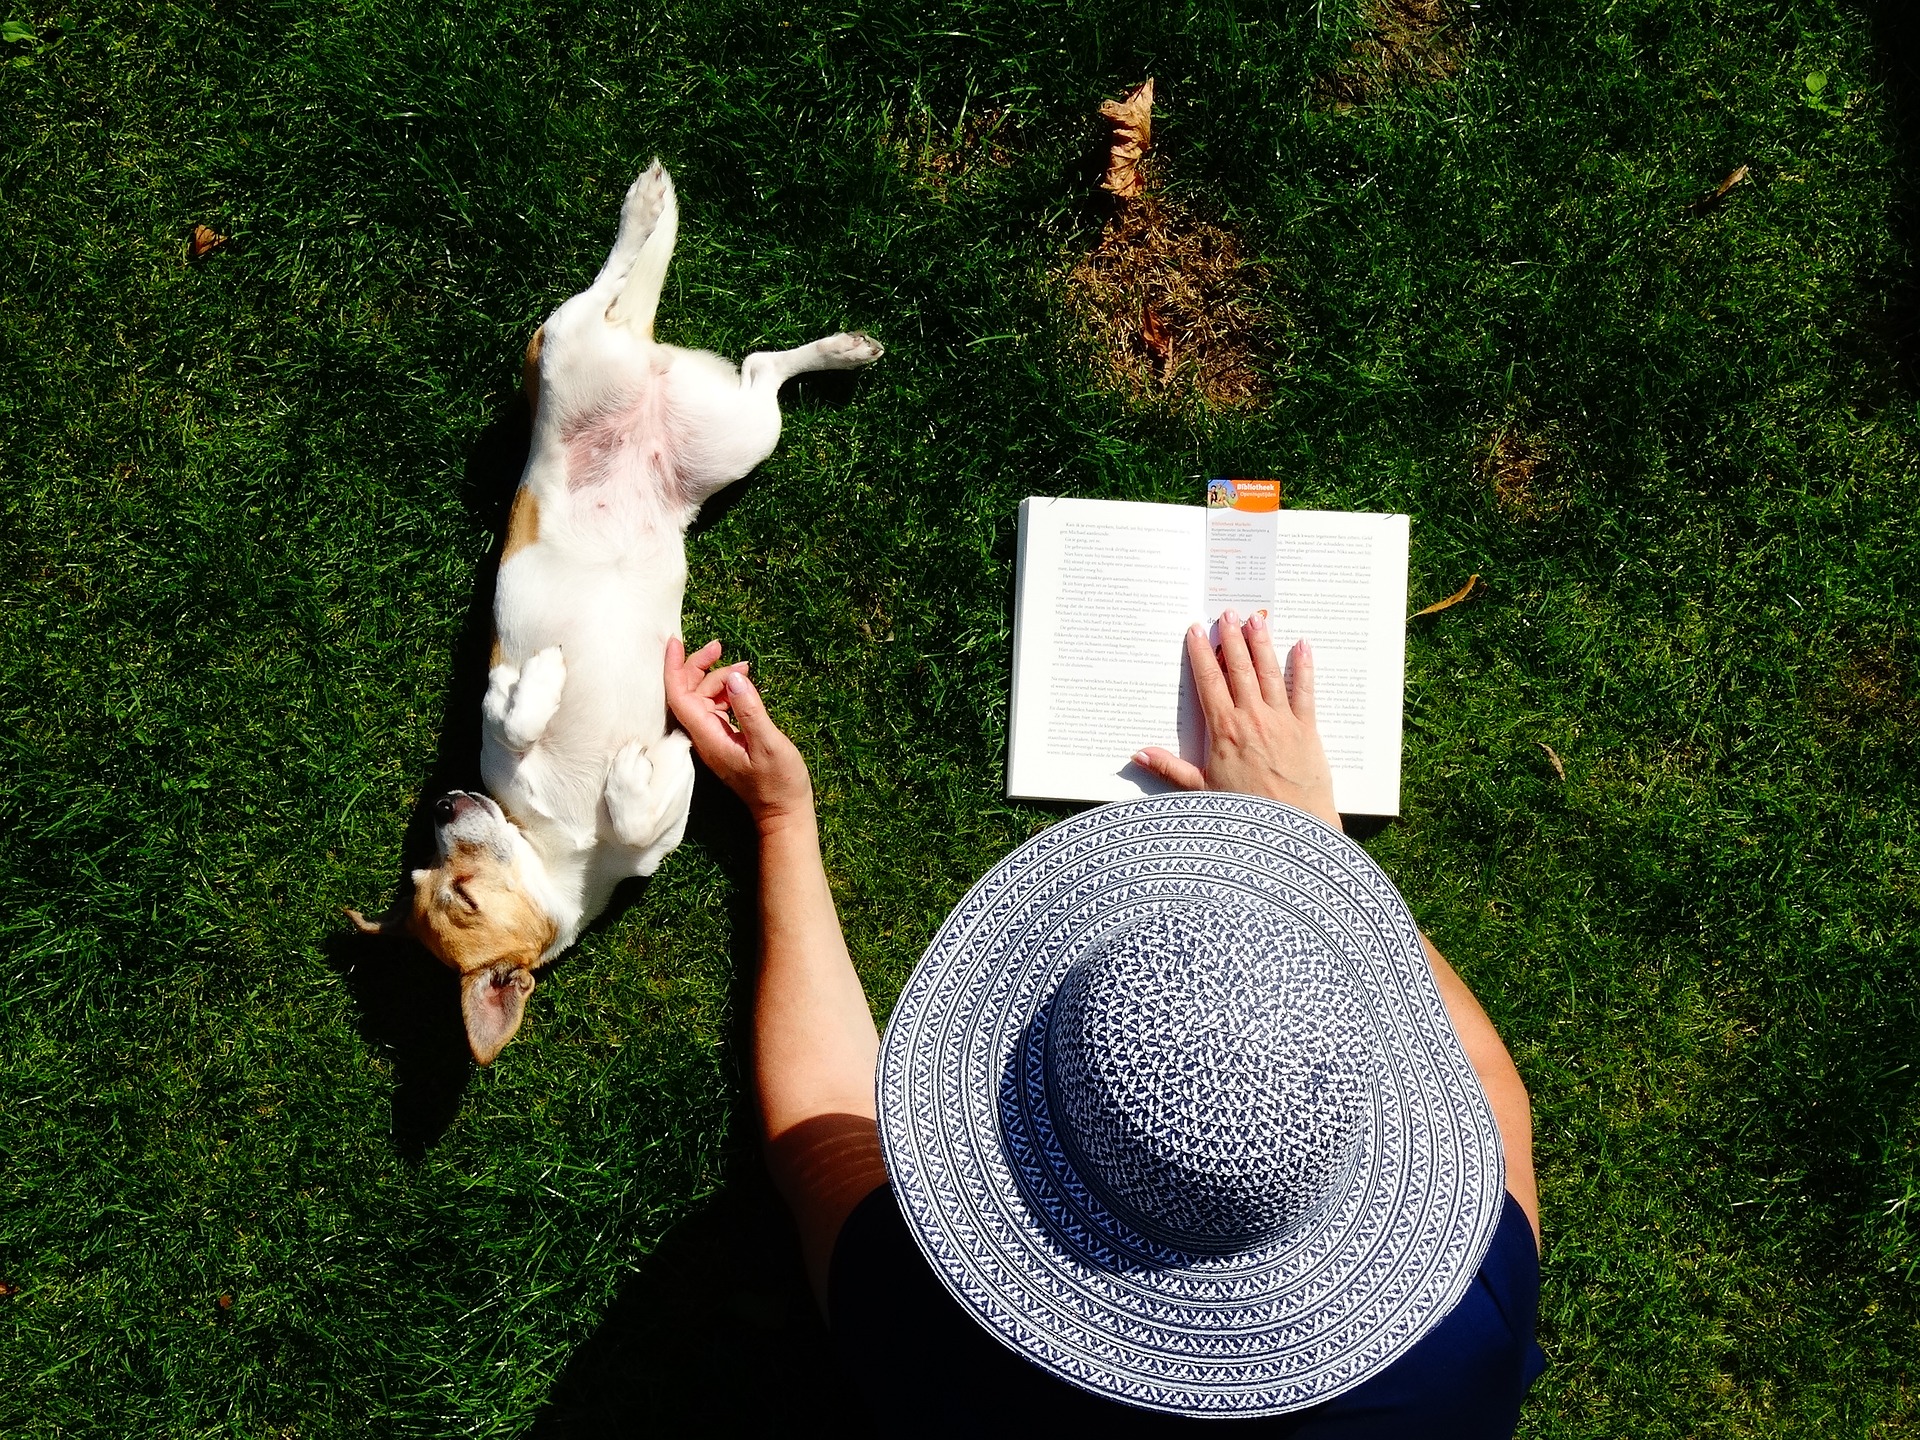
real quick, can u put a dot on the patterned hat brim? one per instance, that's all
(1025, 1248)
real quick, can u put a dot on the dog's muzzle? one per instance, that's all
(462, 817)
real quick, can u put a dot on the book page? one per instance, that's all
(1106, 590)
(1340, 580)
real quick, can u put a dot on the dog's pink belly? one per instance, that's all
(622, 445)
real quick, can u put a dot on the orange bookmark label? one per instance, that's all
(1246, 496)
(1243, 528)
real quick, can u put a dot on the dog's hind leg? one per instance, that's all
(770, 369)
(742, 421)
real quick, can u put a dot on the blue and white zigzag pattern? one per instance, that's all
(1033, 1254)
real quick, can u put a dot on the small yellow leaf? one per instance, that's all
(1553, 759)
(205, 240)
(1454, 599)
(1732, 180)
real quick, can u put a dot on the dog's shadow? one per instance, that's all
(408, 1002)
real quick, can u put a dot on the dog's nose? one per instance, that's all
(443, 809)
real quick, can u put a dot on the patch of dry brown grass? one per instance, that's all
(1405, 42)
(1171, 307)
(1871, 695)
(1525, 469)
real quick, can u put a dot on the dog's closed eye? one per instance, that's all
(460, 889)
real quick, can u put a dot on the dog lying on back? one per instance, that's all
(589, 785)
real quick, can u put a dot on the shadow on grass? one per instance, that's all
(1896, 35)
(408, 1002)
(717, 1331)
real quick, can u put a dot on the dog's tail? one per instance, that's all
(649, 221)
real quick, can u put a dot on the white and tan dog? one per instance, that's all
(591, 784)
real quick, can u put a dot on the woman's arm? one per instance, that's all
(1499, 1077)
(814, 1042)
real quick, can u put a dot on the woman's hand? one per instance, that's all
(1261, 734)
(751, 755)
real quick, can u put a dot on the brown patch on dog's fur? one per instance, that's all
(1405, 41)
(530, 370)
(523, 526)
(1162, 272)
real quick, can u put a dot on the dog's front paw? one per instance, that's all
(853, 348)
(628, 782)
(520, 704)
(500, 682)
(648, 791)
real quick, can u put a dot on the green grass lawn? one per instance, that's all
(248, 1183)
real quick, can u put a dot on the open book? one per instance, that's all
(1105, 591)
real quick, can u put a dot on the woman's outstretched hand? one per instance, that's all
(1262, 738)
(751, 755)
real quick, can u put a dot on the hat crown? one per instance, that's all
(1210, 1072)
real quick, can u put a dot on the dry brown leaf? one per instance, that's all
(205, 241)
(1553, 759)
(1157, 338)
(1708, 202)
(1131, 120)
(1454, 599)
(7, 1287)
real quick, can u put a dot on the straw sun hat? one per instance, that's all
(1174, 1109)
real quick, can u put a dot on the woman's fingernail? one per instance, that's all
(1197, 631)
(1229, 618)
(736, 682)
(1306, 647)
(1140, 757)
(1260, 621)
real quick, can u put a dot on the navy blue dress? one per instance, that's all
(928, 1368)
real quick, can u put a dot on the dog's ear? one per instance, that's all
(394, 922)
(493, 1001)
(391, 923)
